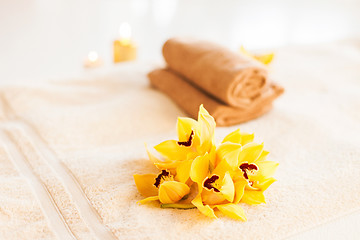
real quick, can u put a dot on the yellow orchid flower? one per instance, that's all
(254, 174)
(239, 137)
(216, 190)
(231, 147)
(195, 139)
(245, 163)
(160, 187)
(265, 58)
(196, 173)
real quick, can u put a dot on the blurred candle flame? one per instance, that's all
(93, 56)
(125, 32)
(93, 60)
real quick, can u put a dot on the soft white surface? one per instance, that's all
(347, 227)
(93, 130)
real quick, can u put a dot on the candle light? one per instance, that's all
(124, 48)
(92, 60)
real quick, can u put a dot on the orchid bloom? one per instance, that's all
(160, 187)
(196, 138)
(257, 173)
(196, 173)
(216, 189)
(251, 172)
(239, 173)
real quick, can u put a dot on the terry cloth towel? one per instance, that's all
(235, 79)
(189, 98)
(69, 149)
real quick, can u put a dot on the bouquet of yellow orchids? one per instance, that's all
(195, 173)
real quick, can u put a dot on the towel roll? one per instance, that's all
(234, 79)
(189, 98)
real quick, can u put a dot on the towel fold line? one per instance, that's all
(189, 97)
(229, 77)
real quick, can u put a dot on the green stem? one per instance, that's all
(178, 206)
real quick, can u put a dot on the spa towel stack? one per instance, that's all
(233, 87)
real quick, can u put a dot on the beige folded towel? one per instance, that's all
(232, 78)
(189, 98)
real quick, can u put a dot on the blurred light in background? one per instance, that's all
(50, 38)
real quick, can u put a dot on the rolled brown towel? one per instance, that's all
(232, 78)
(189, 98)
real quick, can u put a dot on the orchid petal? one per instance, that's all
(253, 197)
(149, 199)
(251, 187)
(151, 156)
(167, 164)
(199, 169)
(262, 156)
(172, 191)
(228, 189)
(250, 153)
(265, 184)
(183, 171)
(238, 137)
(265, 59)
(184, 128)
(206, 210)
(171, 150)
(221, 168)
(205, 129)
(161, 164)
(192, 155)
(233, 211)
(230, 152)
(239, 190)
(145, 184)
(212, 158)
(246, 138)
(266, 169)
(233, 137)
(212, 198)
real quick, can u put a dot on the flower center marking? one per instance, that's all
(163, 176)
(188, 142)
(210, 183)
(247, 168)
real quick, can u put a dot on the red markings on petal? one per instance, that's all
(162, 175)
(248, 167)
(208, 183)
(188, 142)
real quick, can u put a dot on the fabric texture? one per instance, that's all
(234, 84)
(69, 150)
(234, 79)
(189, 98)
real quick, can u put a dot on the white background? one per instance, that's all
(51, 38)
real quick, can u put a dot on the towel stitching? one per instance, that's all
(12, 151)
(33, 136)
